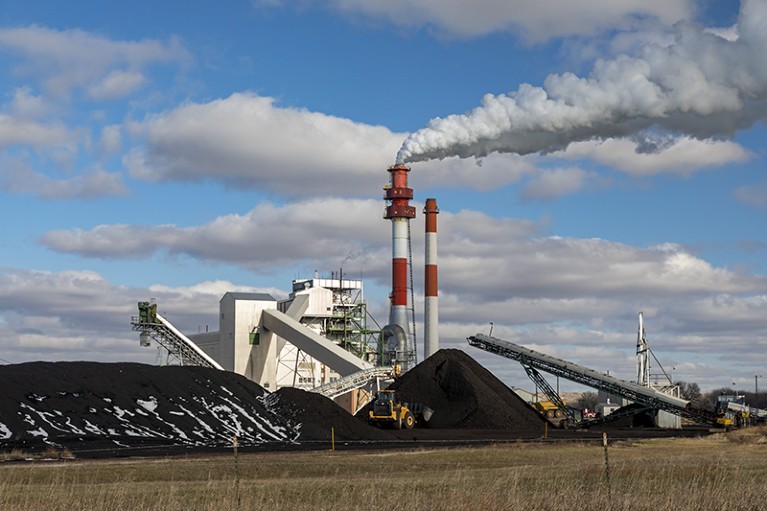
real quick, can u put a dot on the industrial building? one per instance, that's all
(322, 339)
(335, 309)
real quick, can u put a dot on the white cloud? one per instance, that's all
(322, 231)
(111, 139)
(212, 290)
(754, 195)
(568, 267)
(727, 33)
(535, 21)
(555, 183)
(18, 178)
(16, 131)
(26, 105)
(246, 140)
(116, 85)
(476, 250)
(71, 59)
(680, 155)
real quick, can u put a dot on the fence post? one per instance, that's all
(607, 467)
(236, 471)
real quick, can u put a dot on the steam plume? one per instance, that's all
(703, 85)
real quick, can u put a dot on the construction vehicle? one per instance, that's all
(388, 410)
(732, 411)
(548, 410)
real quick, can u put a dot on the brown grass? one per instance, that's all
(682, 474)
(50, 453)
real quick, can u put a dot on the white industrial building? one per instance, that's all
(336, 310)
(236, 345)
(313, 338)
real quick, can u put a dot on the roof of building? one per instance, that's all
(235, 295)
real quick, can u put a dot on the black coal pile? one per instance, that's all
(314, 415)
(465, 395)
(79, 405)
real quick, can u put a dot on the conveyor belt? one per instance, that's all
(353, 381)
(170, 338)
(645, 396)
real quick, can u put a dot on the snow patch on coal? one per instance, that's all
(314, 415)
(465, 395)
(73, 404)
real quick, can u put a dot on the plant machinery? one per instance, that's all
(388, 410)
(732, 411)
(549, 410)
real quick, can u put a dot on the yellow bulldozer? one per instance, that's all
(388, 410)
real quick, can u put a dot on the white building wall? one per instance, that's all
(240, 314)
(210, 343)
(605, 397)
(668, 420)
(320, 301)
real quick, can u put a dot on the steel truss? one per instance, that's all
(644, 396)
(551, 394)
(178, 345)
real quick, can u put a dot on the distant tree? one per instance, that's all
(691, 392)
(758, 400)
(588, 400)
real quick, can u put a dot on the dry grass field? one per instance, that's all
(723, 471)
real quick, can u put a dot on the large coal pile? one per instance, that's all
(125, 405)
(465, 395)
(314, 415)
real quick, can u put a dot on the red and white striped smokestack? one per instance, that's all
(431, 288)
(399, 212)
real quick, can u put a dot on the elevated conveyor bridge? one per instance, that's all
(644, 396)
(353, 381)
(152, 325)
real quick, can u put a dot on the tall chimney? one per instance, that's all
(399, 211)
(431, 288)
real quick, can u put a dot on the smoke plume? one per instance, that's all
(703, 85)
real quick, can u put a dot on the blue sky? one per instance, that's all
(588, 162)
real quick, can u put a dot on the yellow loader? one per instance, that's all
(389, 411)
